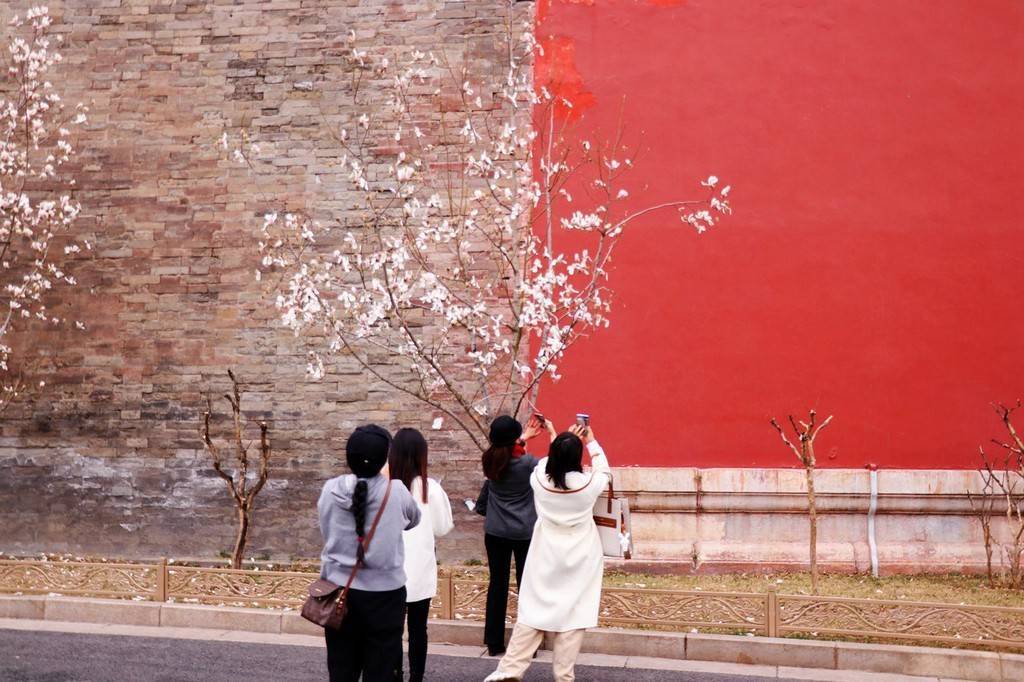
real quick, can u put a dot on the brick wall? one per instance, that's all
(109, 460)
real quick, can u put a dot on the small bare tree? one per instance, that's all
(242, 493)
(805, 433)
(983, 504)
(1002, 492)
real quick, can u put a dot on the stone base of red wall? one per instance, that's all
(717, 520)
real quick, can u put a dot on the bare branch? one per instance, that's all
(264, 461)
(820, 427)
(204, 433)
(785, 440)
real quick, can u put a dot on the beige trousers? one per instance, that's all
(524, 643)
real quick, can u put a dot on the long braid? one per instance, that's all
(359, 511)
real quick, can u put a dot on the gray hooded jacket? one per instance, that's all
(507, 505)
(383, 568)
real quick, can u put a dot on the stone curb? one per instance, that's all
(765, 651)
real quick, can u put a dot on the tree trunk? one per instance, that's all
(243, 531)
(986, 529)
(1016, 574)
(812, 509)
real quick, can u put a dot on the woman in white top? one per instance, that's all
(408, 463)
(561, 590)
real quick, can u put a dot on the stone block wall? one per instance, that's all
(109, 459)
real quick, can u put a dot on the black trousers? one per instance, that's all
(369, 642)
(416, 615)
(499, 558)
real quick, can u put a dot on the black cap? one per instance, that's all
(505, 430)
(367, 450)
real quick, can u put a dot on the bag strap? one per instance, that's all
(364, 543)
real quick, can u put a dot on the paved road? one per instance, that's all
(27, 656)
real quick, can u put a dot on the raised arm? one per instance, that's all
(440, 510)
(598, 460)
(601, 472)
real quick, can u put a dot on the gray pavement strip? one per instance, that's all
(28, 656)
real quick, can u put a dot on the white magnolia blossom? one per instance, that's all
(460, 261)
(37, 210)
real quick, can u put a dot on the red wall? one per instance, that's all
(872, 267)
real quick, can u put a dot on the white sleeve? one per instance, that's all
(439, 509)
(601, 472)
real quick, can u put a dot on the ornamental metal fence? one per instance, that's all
(462, 596)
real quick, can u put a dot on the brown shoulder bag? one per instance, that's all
(327, 603)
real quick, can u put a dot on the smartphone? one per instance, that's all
(540, 418)
(583, 419)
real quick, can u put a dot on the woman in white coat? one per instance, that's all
(407, 462)
(561, 590)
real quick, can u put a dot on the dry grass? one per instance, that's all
(948, 589)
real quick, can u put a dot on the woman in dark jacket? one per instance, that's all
(506, 502)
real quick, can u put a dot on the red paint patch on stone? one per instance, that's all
(542, 10)
(555, 69)
(544, 6)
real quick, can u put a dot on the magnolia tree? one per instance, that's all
(474, 244)
(37, 208)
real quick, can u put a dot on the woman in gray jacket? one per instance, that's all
(369, 642)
